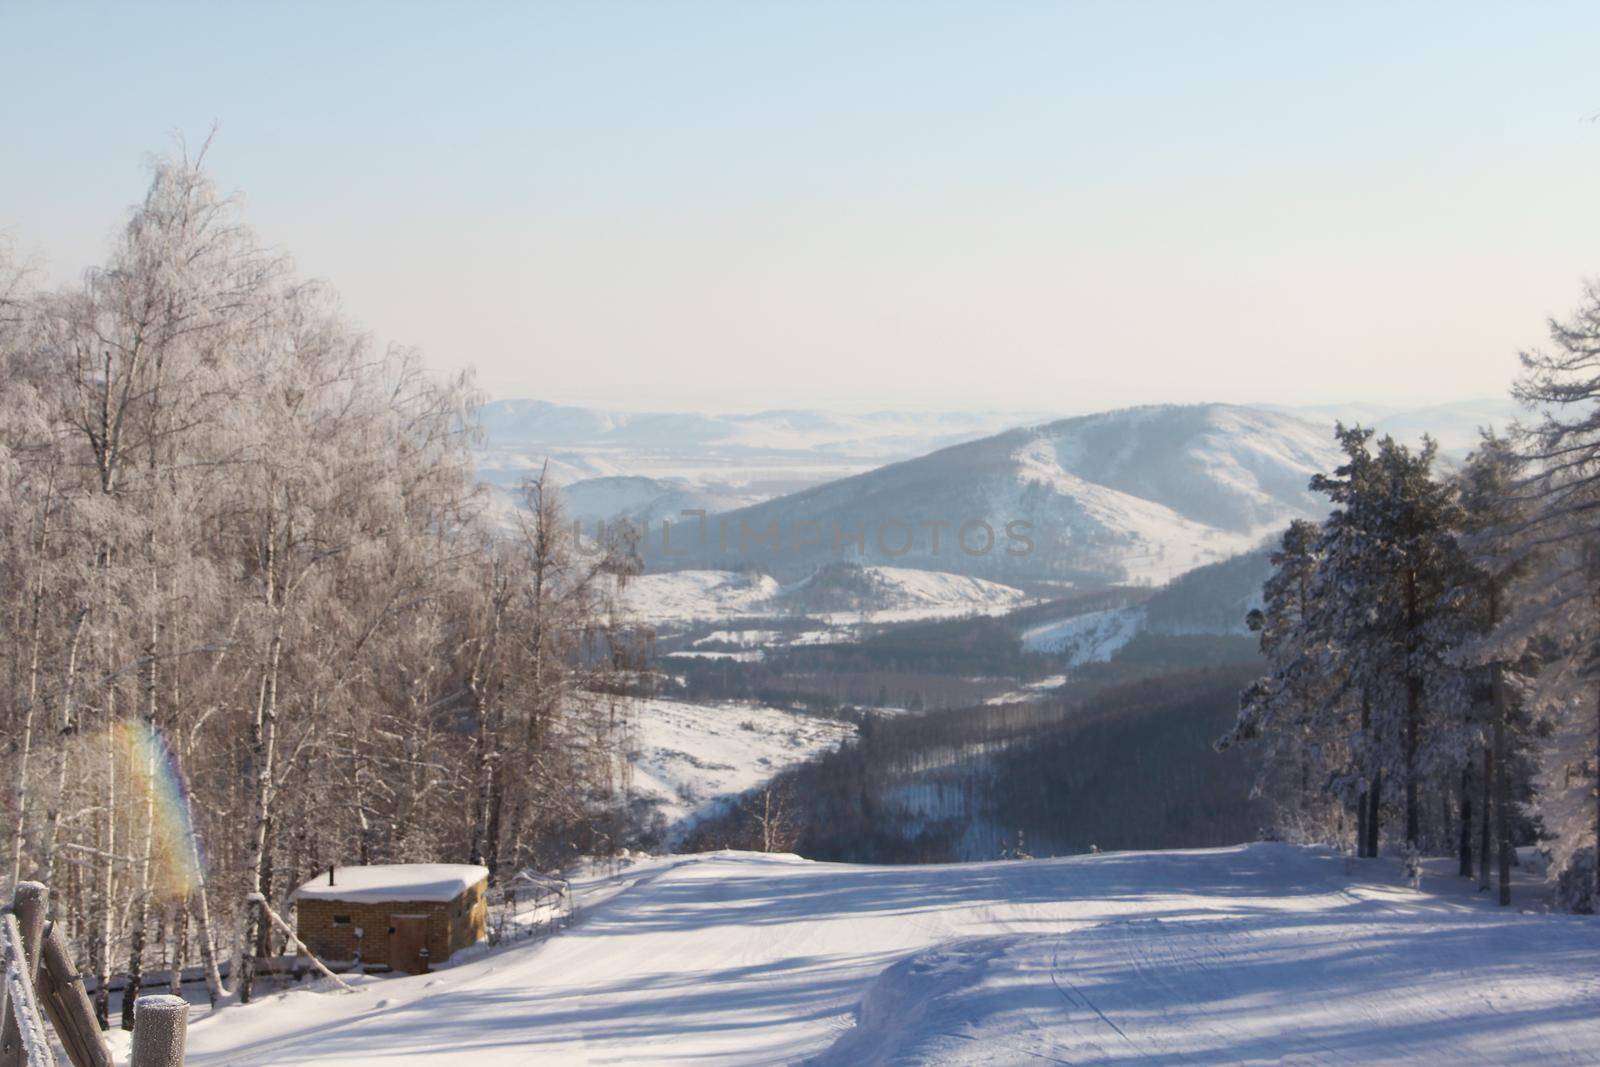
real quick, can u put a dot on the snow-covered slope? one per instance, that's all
(690, 760)
(1142, 494)
(1093, 637)
(840, 593)
(1256, 954)
(1211, 600)
(687, 596)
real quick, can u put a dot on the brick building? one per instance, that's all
(407, 916)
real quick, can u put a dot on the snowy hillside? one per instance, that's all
(840, 593)
(1143, 494)
(1093, 637)
(1260, 954)
(689, 760)
(1210, 600)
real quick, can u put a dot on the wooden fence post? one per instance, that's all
(28, 1043)
(160, 1029)
(28, 903)
(64, 1000)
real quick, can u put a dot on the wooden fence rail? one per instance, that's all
(41, 982)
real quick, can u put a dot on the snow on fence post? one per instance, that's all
(160, 1030)
(25, 1042)
(64, 1000)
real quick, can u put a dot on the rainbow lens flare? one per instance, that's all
(174, 853)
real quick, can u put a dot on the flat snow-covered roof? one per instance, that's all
(393, 881)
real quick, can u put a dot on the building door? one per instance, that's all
(408, 943)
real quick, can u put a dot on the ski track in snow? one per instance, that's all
(1260, 953)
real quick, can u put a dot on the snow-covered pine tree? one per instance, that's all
(1493, 665)
(1562, 383)
(1356, 629)
(1398, 523)
(1296, 710)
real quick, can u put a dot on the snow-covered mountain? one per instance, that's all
(650, 465)
(1142, 494)
(837, 591)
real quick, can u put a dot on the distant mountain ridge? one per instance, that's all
(1453, 424)
(1139, 494)
(874, 434)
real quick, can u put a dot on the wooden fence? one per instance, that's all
(41, 983)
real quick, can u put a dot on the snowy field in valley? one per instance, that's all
(1260, 953)
(690, 759)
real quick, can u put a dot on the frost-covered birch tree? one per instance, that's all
(230, 522)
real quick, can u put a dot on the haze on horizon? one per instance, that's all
(1042, 207)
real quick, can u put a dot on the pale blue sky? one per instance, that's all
(731, 205)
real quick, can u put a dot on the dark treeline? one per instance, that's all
(781, 681)
(1122, 764)
(947, 663)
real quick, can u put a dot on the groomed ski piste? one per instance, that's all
(1258, 953)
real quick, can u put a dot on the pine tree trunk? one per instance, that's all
(1413, 727)
(1368, 799)
(1413, 714)
(1466, 820)
(1485, 821)
(1502, 789)
(1375, 814)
